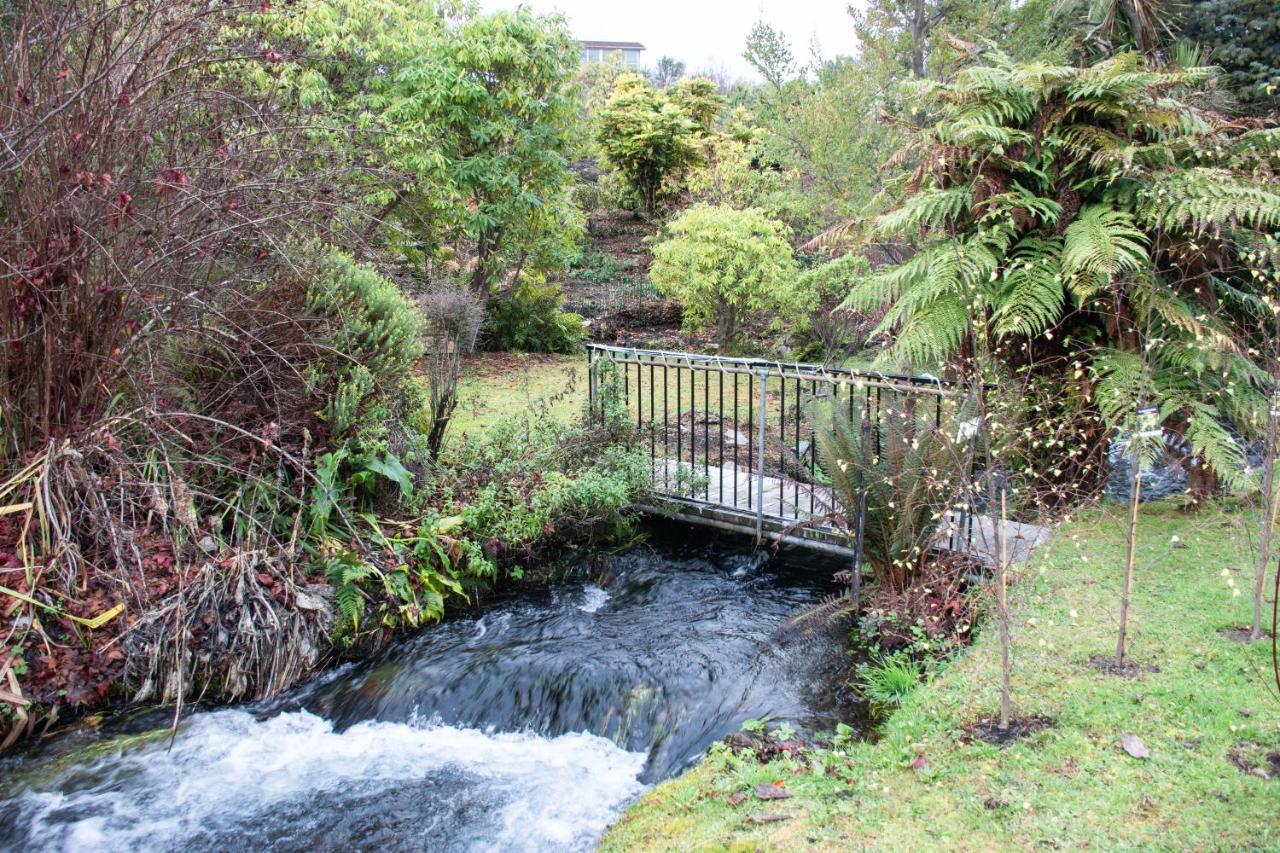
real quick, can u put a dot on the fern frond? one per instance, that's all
(1032, 295)
(1100, 245)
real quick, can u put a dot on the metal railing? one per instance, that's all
(737, 433)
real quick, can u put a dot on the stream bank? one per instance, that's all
(528, 725)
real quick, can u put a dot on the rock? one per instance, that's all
(1134, 746)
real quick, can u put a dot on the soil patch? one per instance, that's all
(1243, 636)
(1128, 669)
(1255, 759)
(988, 729)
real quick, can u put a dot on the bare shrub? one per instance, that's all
(453, 319)
(156, 425)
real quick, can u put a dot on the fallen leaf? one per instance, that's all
(919, 763)
(772, 792)
(769, 818)
(1134, 746)
(737, 799)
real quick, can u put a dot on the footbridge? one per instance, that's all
(733, 446)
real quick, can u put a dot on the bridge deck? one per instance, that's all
(727, 496)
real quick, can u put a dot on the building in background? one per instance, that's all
(598, 51)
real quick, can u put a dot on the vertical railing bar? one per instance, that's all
(764, 377)
(799, 467)
(751, 441)
(639, 395)
(782, 442)
(653, 418)
(879, 420)
(679, 424)
(813, 461)
(666, 429)
(693, 423)
(706, 432)
(736, 433)
(720, 431)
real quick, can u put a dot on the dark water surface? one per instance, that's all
(528, 726)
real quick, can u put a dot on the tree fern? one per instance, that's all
(1105, 220)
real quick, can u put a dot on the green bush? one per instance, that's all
(723, 263)
(649, 139)
(530, 319)
(533, 482)
(367, 338)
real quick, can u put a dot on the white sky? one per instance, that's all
(703, 33)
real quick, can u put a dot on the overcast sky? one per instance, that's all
(703, 33)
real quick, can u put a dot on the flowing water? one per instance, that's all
(527, 726)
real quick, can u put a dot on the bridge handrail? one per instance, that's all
(923, 382)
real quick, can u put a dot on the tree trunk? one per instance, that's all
(1267, 523)
(919, 31)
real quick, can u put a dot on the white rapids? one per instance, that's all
(287, 781)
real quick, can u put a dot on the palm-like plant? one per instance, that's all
(1092, 225)
(912, 474)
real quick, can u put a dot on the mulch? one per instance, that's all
(1128, 669)
(988, 729)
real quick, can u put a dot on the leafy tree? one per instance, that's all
(921, 37)
(827, 142)
(468, 116)
(698, 97)
(1088, 226)
(1243, 37)
(667, 71)
(723, 263)
(769, 52)
(648, 138)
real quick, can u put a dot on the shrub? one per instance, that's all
(647, 138)
(723, 263)
(912, 473)
(888, 681)
(529, 319)
(534, 483)
(453, 319)
(836, 332)
(377, 333)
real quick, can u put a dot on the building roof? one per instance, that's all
(613, 45)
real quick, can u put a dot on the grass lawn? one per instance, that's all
(927, 783)
(494, 385)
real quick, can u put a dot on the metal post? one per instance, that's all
(591, 382)
(860, 519)
(764, 380)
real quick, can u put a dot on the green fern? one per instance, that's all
(1093, 212)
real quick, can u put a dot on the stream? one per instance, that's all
(528, 725)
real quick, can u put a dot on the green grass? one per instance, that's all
(1070, 785)
(494, 385)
